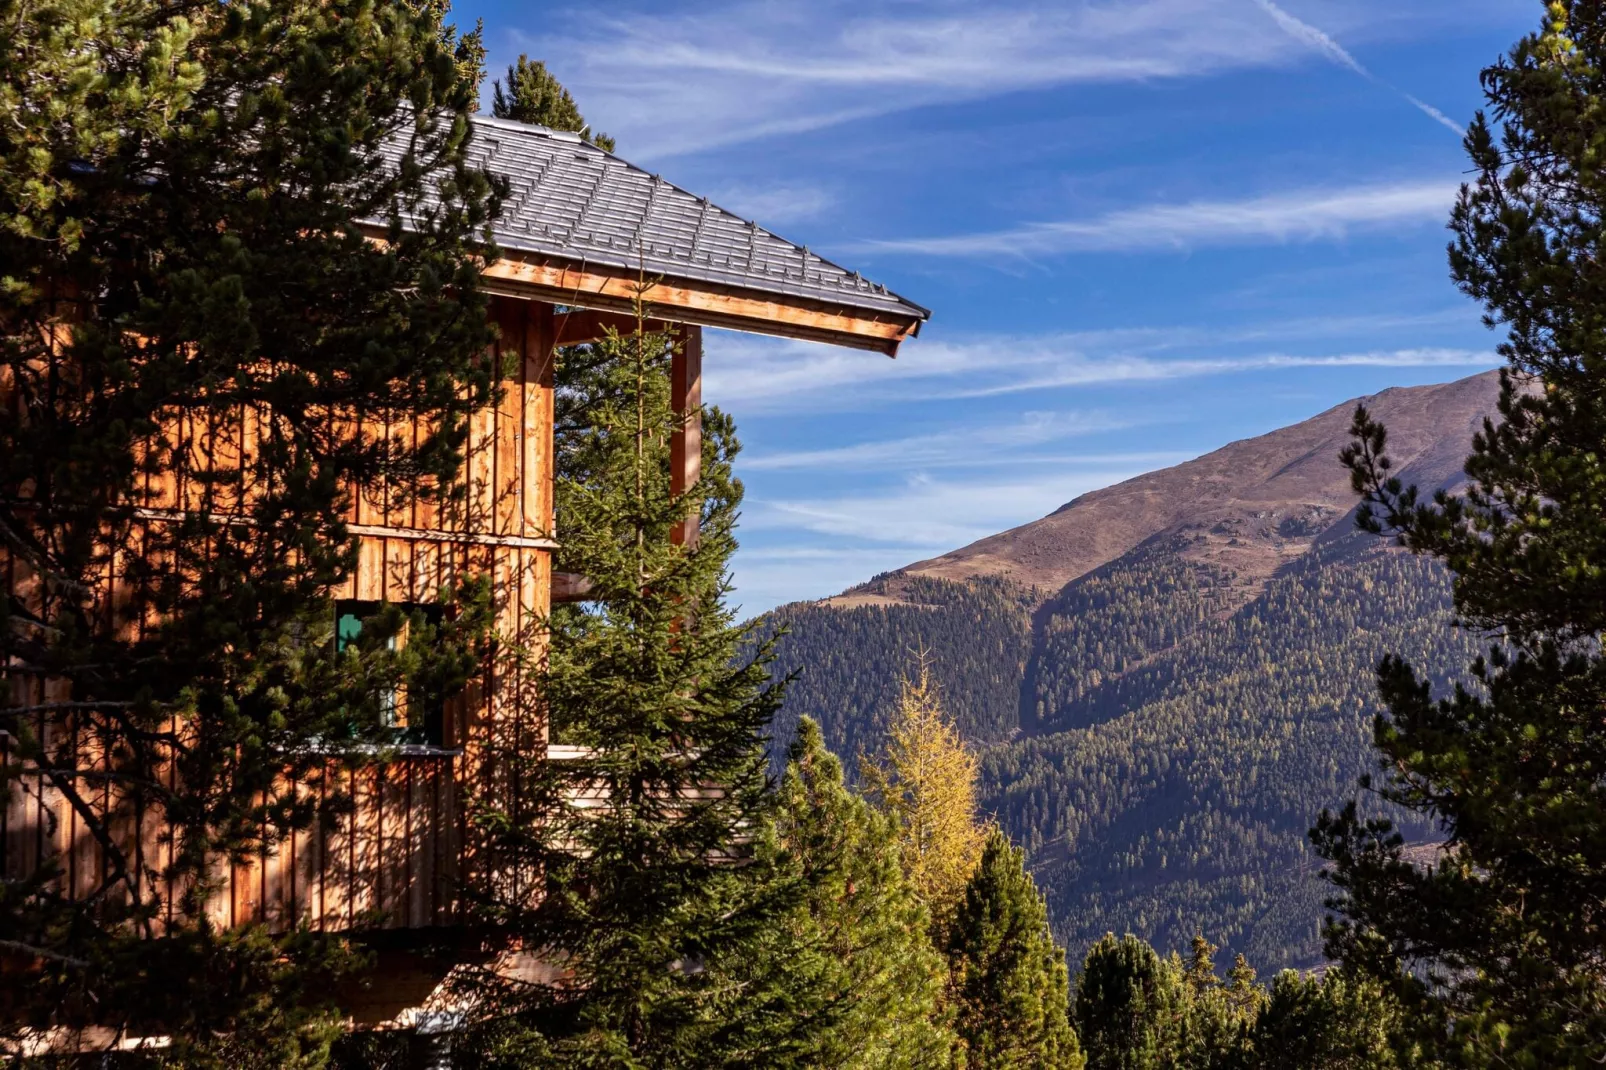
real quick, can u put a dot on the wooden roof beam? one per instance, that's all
(593, 324)
(704, 304)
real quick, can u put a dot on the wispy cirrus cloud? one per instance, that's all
(1148, 370)
(936, 513)
(676, 83)
(1283, 217)
(1318, 41)
(777, 205)
(758, 375)
(964, 446)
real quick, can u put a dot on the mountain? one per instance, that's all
(1260, 501)
(1170, 677)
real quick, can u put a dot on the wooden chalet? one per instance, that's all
(580, 229)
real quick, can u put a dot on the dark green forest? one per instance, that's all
(979, 635)
(1159, 735)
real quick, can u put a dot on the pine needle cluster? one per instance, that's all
(1497, 945)
(184, 192)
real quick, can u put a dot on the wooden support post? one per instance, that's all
(686, 443)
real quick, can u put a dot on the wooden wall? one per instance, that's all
(398, 859)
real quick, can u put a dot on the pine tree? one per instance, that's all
(925, 778)
(182, 189)
(1498, 949)
(654, 894)
(1219, 1015)
(1007, 978)
(1328, 1022)
(1131, 1007)
(856, 945)
(534, 95)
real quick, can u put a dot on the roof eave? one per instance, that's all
(579, 285)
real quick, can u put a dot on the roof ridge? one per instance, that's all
(532, 128)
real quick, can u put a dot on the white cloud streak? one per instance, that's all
(964, 446)
(757, 375)
(1081, 372)
(731, 71)
(1438, 116)
(932, 513)
(1286, 217)
(776, 205)
(1318, 41)
(1313, 38)
(673, 84)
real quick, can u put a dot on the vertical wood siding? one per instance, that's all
(399, 858)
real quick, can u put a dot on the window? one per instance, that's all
(411, 720)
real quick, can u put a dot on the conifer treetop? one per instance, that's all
(534, 95)
(925, 777)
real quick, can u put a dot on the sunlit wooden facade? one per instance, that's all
(584, 230)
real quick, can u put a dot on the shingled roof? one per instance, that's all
(574, 200)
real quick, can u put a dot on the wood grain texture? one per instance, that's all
(707, 304)
(398, 856)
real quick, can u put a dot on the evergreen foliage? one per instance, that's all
(1138, 1010)
(1498, 947)
(1221, 1013)
(925, 779)
(183, 195)
(1131, 1007)
(1331, 1022)
(858, 942)
(1176, 792)
(847, 662)
(641, 839)
(533, 95)
(1188, 807)
(1006, 976)
(1108, 624)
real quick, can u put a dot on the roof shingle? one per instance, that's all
(573, 200)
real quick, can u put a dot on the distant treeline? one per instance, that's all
(849, 662)
(1156, 738)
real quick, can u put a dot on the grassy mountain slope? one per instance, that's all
(1261, 500)
(1161, 726)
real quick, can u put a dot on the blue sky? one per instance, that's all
(1145, 229)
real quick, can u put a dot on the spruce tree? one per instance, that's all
(1498, 947)
(867, 979)
(534, 95)
(1007, 978)
(182, 194)
(925, 778)
(653, 890)
(1219, 1015)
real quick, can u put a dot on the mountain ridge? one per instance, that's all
(1429, 430)
(1160, 729)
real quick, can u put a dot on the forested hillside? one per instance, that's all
(850, 661)
(1179, 758)
(1161, 731)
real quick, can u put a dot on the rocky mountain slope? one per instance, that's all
(1170, 677)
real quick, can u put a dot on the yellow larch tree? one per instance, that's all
(925, 778)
